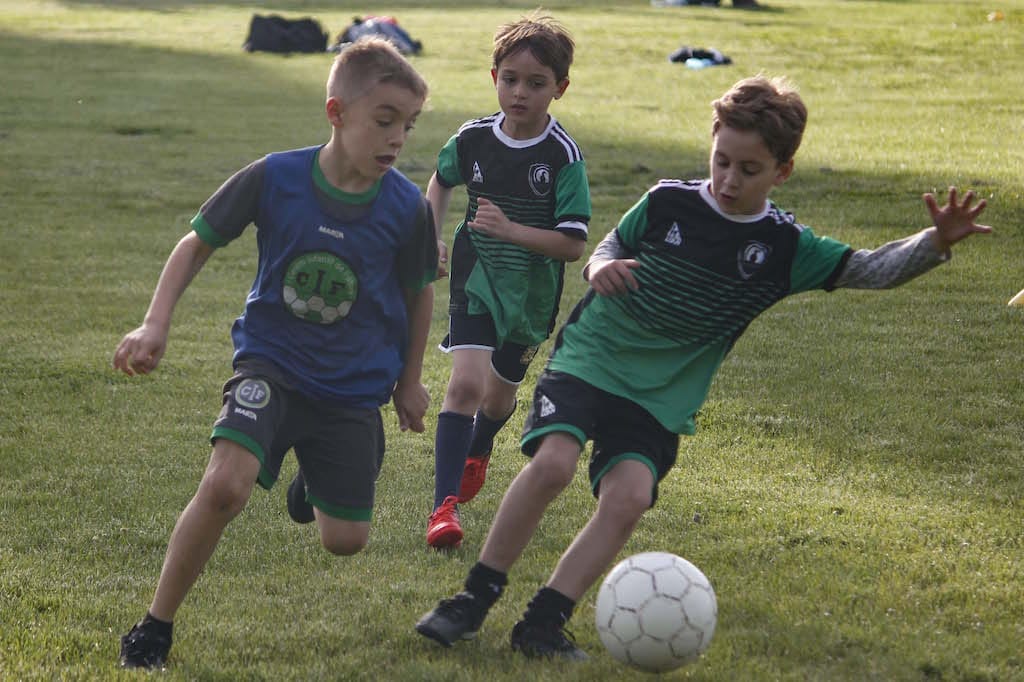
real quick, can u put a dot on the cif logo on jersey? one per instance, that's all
(752, 258)
(540, 179)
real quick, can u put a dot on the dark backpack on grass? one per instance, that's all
(274, 33)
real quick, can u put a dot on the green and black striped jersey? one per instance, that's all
(704, 276)
(542, 183)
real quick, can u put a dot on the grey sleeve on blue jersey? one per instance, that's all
(892, 264)
(235, 204)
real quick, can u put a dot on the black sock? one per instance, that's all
(451, 442)
(549, 606)
(161, 627)
(484, 431)
(485, 583)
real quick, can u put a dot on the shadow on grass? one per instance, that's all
(147, 146)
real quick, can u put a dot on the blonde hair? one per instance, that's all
(770, 107)
(546, 39)
(370, 62)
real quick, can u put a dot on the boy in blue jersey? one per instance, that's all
(689, 266)
(527, 215)
(334, 326)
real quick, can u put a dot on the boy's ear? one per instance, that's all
(562, 85)
(334, 108)
(494, 76)
(783, 172)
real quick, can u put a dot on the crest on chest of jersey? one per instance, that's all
(751, 258)
(540, 179)
(319, 287)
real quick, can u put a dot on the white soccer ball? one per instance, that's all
(656, 611)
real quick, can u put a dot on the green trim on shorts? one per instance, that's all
(636, 456)
(344, 513)
(555, 428)
(265, 480)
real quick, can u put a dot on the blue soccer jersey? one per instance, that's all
(327, 306)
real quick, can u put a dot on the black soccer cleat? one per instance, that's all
(299, 509)
(453, 619)
(144, 647)
(546, 641)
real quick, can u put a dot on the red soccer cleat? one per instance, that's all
(473, 477)
(443, 529)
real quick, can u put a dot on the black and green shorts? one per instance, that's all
(340, 449)
(621, 429)
(509, 360)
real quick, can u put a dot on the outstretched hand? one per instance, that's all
(955, 221)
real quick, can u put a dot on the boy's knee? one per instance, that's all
(225, 493)
(553, 471)
(464, 393)
(343, 538)
(627, 503)
(343, 546)
(229, 478)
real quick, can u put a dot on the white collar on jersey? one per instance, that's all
(705, 194)
(520, 144)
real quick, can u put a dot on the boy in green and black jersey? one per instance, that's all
(689, 266)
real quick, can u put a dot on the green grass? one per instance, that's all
(857, 474)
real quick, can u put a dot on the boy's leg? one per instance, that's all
(498, 406)
(465, 390)
(509, 364)
(341, 537)
(222, 494)
(548, 473)
(340, 455)
(625, 494)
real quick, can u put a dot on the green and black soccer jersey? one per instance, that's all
(704, 276)
(542, 183)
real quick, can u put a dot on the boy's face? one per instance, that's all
(743, 171)
(525, 90)
(374, 127)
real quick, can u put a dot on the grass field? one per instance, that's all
(857, 475)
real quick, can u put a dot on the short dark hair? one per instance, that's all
(546, 39)
(770, 107)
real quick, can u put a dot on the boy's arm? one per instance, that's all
(899, 261)
(140, 350)
(410, 397)
(439, 198)
(492, 221)
(610, 268)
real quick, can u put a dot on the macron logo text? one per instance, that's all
(337, 234)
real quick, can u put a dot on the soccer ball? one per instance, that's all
(656, 611)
